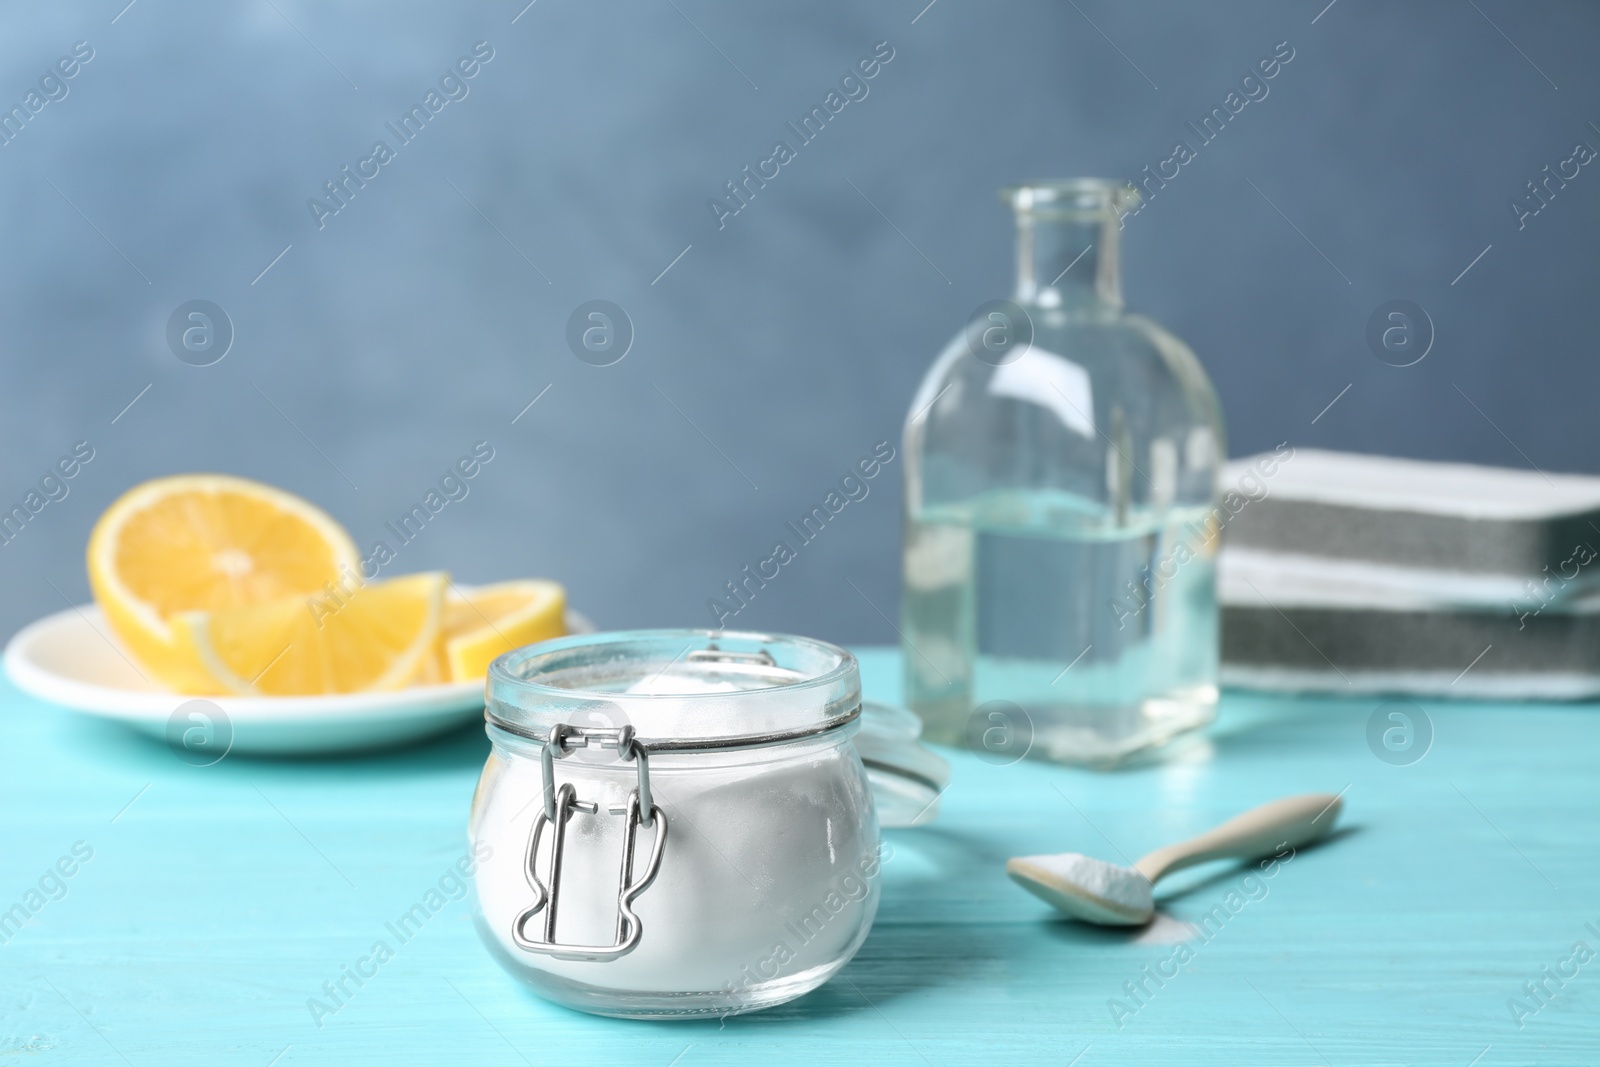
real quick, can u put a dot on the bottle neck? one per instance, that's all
(1068, 260)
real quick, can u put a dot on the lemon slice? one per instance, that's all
(494, 619)
(381, 636)
(206, 542)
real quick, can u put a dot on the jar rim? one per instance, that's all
(802, 686)
(1071, 196)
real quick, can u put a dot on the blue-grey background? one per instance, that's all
(428, 313)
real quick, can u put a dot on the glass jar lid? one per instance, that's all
(679, 690)
(907, 778)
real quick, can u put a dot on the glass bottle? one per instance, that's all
(1062, 470)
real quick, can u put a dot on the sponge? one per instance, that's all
(1351, 573)
(1446, 526)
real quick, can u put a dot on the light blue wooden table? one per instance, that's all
(218, 901)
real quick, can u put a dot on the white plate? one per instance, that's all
(71, 659)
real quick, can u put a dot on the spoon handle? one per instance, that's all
(1292, 821)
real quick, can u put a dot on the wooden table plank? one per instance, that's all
(219, 900)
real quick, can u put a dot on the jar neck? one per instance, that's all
(1067, 261)
(1067, 242)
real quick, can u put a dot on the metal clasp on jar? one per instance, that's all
(559, 807)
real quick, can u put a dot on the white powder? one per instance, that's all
(675, 684)
(1122, 886)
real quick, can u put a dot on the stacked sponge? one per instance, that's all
(1352, 573)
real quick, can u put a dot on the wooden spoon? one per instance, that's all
(1113, 895)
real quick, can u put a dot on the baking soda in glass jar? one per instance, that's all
(679, 822)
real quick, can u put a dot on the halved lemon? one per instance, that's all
(206, 542)
(482, 623)
(380, 636)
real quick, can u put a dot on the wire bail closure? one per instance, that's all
(559, 807)
(620, 738)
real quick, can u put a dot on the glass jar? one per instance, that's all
(1063, 460)
(674, 823)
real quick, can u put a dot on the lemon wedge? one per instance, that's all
(485, 622)
(381, 636)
